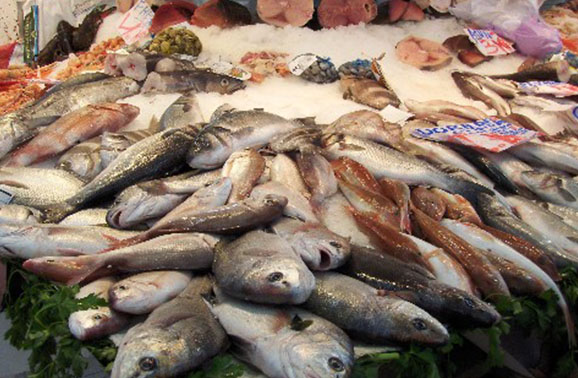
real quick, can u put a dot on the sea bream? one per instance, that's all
(285, 171)
(367, 124)
(317, 175)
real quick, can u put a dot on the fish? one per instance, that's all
(149, 158)
(317, 174)
(551, 187)
(143, 292)
(26, 241)
(295, 140)
(137, 64)
(457, 207)
(351, 172)
(154, 199)
(81, 78)
(86, 217)
(72, 128)
(184, 111)
(98, 322)
(112, 144)
(234, 130)
(171, 64)
(297, 206)
(221, 13)
(83, 160)
(418, 286)
(38, 187)
(185, 81)
(285, 171)
(263, 268)
(19, 214)
(244, 168)
(471, 88)
(367, 92)
(286, 341)
(14, 131)
(167, 344)
(385, 162)
(367, 124)
(191, 251)
(428, 202)
(319, 248)
(370, 315)
(445, 107)
(484, 240)
(495, 215)
(503, 87)
(567, 214)
(558, 70)
(484, 275)
(544, 154)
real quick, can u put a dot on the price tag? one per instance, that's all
(5, 196)
(489, 43)
(555, 88)
(300, 63)
(491, 133)
(136, 22)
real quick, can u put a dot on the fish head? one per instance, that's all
(322, 249)
(90, 324)
(546, 184)
(215, 193)
(128, 295)
(85, 165)
(273, 202)
(210, 150)
(19, 214)
(416, 324)
(223, 84)
(60, 269)
(469, 309)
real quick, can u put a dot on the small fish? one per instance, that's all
(166, 345)
(399, 193)
(367, 124)
(471, 88)
(295, 140)
(190, 251)
(421, 109)
(367, 92)
(197, 81)
(319, 248)
(428, 202)
(244, 168)
(286, 341)
(547, 155)
(184, 111)
(83, 160)
(558, 70)
(285, 171)
(297, 206)
(82, 78)
(552, 187)
(19, 214)
(567, 214)
(504, 87)
(86, 217)
(99, 322)
(263, 268)
(317, 174)
(457, 207)
(351, 172)
(143, 292)
(370, 315)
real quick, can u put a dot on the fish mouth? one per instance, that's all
(324, 259)
(113, 218)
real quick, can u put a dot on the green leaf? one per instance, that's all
(222, 366)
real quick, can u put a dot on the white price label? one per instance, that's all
(554, 88)
(489, 43)
(135, 24)
(300, 63)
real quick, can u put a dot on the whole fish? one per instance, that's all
(82, 78)
(494, 214)
(399, 193)
(471, 88)
(445, 107)
(546, 155)
(319, 248)
(428, 202)
(558, 70)
(457, 207)
(184, 81)
(286, 341)
(72, 128)
(38, 187)
(370, 315)
(367, 92)
(152, 156)
(351, 172)
(178, 336)
(297, 205)
(285, 171)
(156, 198)
(382, 162)
(484, 240)
(190, 251)
(143, 292)
(19, 214)
(183, 112)
(233, 130)
(418, 286)
(484, 275)
(567, 214)
(83, 160)
(317, 174)
(26, 241)
(98, 322)
(263, 268)
(86, 217)
(552, 187)
(367, 124)
(244, 168)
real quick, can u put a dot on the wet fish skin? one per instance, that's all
(166, 344)
(471, 88)
(567, 214)
(197, 80)
(86, 217)
(297, 205)
(262, 268)
(555, 70)
(444, 107)
(546, 155)
(319, 248)
(19, 214)
(13, 132)
(83, 160)
(184, 111)
(143, 292)
(192, 251)
(295, 140)
(318, 175)
(367, 92)
(244, 168)
(351, 172)
(428, 202)
(367, 124)
(399, 193)
(113, 144)
(519, 281)
(552, 187)
(285, 171)
(457, 207)
(370, 315)
(73, 81)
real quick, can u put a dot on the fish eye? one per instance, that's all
(122, 287)
(419, 324)
(50, 260)
(270, 200)
(97, 317)
(336, 364)
(275, 276)
(469, 302)
(147, 363)
(224, 82)
(335, 244)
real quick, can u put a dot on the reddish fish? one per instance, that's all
(352, 172)
(399, 193)
(457, 207)
(285, 12)
(334, 13)
(428, 202)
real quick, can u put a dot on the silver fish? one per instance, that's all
(297, 205)
(86, 217)
(367, 124)
(421, 109)
(184, 111)
(83, 160)
(263, 268)
(143, 292)
(471, 88)
(547, 155)
(244, 168)
(113, 144)
(285, 171)
(79, 79)
(567, 214)
(317, 174)
(19, 214)
(14, 132)
(197, 80)
(552, 187)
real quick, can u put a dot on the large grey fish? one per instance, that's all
(471, 88)
(143, 292)
(177, 337)
(367, 124)
(317, 174)
(83, 159)
(86, 217)
(319, 248)
(98, 322)
(369, 315)
(262, 267)
(73, 81)
(19, 214)
(553, 188)
(494, 214)
(297, 205)
(38, 187)
(184, 111)
(285, 171)
(544, 154)
(232, 131)
(156, 198)
(28, 241)
(286, 341)
(151, 157)
(383, 161)
(190, 251)
(184, 81)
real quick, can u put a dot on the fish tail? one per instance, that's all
(123, 243)
(405, 221)
(68, 270)
(56, 212)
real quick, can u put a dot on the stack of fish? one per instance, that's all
(360, 231)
